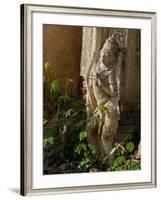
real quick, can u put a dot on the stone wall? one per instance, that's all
(62, 50)
(129, 125)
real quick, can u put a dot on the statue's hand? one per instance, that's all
(108, 92)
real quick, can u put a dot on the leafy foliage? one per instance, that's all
(66, 140)
(54, 87)
(62, 132)
(130, 147)
(103, 109)
(82, 135)
(124, 157)
(86, 153)
(47, 141)
(94, 120)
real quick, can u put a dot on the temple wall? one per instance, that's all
(62, 50)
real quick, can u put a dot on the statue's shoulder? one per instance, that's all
(95, 69)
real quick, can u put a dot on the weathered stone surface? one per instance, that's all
(103, 92)
(92, 42)
(62, 49)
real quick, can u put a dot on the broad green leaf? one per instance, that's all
(47, 141)
(118, 169)
(46, 65)
(130, 147)
(82, 135)
(103, 109)
(68, 112)
(54, 86)
(119, 161)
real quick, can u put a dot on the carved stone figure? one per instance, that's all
(103, 94)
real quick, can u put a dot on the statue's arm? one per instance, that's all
(90, 100)
(107, 91)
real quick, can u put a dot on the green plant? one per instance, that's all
(83, 135)
(124, 157)
(65, 139)
(86, 153)
(130, 147)
(61, 132)
(46, 65)
(93, 120)
(45, 78)
(48, 140)
(103, 109)
(54, 87)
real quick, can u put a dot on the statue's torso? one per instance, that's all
(101, 77)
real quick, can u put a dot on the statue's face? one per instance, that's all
(108, 58)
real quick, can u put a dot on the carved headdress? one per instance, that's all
(110, 46)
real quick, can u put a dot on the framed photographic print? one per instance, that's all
(88, 92)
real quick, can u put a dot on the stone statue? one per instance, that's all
(103, 94)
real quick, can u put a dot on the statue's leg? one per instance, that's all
(109, 130)
(92, 134)
(92, 130)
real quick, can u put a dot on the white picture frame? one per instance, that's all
(33, 182)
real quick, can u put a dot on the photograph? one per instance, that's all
(91, 99)
(88, 99)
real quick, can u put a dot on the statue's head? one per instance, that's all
(109, 51)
